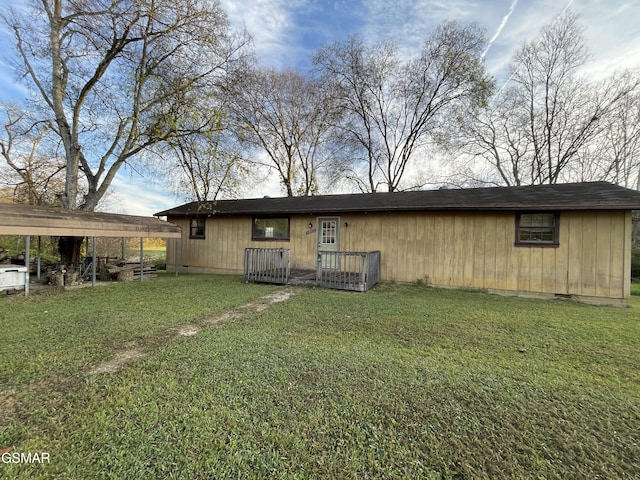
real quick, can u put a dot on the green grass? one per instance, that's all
(60, 333)
(398, 382)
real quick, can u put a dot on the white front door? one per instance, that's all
(329, 240)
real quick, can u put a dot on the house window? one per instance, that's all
(537, 229)
(329, 232)
(270, 228)
(196, 227)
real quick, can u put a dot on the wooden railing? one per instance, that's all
(268, 265)
(357, 271)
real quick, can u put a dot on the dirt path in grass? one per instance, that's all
(136, 352)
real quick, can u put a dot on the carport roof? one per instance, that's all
(17, 219)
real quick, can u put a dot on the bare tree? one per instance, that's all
(621, 136)
(286, 116)
(542, 123)
(390, 108)
(32, 169)
(110, 76)
(500, 139)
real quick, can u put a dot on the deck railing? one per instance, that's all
(357, 271)
(267, 265)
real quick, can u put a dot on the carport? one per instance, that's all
(28, 221)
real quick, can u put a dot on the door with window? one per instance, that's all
(329, 240)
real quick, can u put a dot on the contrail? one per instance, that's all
(505, 19)
(566, 7)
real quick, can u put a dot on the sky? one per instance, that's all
(286, 33)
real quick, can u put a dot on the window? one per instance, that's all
(537, 229)
(270, 228)
(196, 227)
(328, 234)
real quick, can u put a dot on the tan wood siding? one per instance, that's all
(447, 249)
(603, 268)
(625, 240)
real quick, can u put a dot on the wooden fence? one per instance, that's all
(267, 265)
(356, 271)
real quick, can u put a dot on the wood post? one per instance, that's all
(175, 255)
(93, 263)
(27, 261)
(141, 258)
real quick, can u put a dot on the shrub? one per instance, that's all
(635, 263)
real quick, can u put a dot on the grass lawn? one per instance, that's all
(402, 381)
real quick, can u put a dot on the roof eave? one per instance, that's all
(406, 209)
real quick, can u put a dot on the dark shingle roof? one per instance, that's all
(568, 196)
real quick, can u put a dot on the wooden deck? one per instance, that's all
(300, 276)
(355, 271)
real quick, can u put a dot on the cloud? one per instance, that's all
(410, 22)
(269, 22)
(612, 33)
(10, 90)
(133, 196)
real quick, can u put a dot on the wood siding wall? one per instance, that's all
(445, 249)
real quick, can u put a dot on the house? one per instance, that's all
(569, 240)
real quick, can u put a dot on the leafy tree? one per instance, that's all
(210, 162)
(110, 77)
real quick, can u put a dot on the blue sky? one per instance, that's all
(287, 32)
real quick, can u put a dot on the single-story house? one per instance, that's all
(568, 240)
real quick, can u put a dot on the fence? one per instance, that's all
(267, 265)
(357, 271)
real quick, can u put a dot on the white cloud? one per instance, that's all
(269, 22)
(10, 90)
(134, 196)
(612, 32)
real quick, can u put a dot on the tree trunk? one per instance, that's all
(69, 248)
